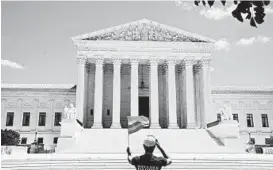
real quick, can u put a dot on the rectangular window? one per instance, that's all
(252, 140)
(108, 112)
(40, 140)
(10, 117)
(91, 112)
(24, 140)
(249, 120)
(55, 140)
(26, 117)
(218, 116)
(264, 120)
(267, 141)
(235, 117)
(58, 119)
(42, 119)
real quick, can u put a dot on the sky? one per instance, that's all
(36, 45)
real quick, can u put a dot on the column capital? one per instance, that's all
(171, 61)
(99, 61)
(81, 60)
(117, 60)
(205, 62)
(134, 61)
(153, 61)
(189, 62)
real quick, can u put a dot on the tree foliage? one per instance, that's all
(254, 10)
(9, 137)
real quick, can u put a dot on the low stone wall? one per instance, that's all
(13, 150)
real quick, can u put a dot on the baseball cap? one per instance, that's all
(149, 141)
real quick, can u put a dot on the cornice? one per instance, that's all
(37, 86)
(242, 89)
(71, 86)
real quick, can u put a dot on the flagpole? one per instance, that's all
(128, 139)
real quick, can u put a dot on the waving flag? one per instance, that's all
(135, 123)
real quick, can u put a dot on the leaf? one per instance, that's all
(204, 3)
(196, 2)
(236, 14)
(259, 9)
(210, 3)
(258, 3)
(252, 22)
(266, 3)
(259, 19)
(235, 2)
(223, 2)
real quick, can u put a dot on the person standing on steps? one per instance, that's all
(148, 161)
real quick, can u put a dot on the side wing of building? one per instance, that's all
(39, 108)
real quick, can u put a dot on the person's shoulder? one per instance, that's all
(161, 160)
(135, 160)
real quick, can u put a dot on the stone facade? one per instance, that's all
(35, 99)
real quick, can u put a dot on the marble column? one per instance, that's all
(116, 93)
(198, 116)
(18, 115)
(134, 87)
(52, 116)
(81, 85)
(35, 115)
(206, 100)
(172, 94)
(98, 97)
(189, 93)
(154, 98)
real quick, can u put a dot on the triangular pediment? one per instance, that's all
(143, 30)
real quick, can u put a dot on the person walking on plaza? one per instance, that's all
(148, 161)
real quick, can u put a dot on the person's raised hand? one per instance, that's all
(157, 143)
(128, 151)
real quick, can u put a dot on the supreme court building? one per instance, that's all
(138, 68)
(144, 68)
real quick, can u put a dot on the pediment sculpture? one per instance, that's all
(70, 112)
(144, 32)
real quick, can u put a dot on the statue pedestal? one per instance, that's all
(227, 131)
(70, 129)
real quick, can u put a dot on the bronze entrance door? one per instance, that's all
(143, 106)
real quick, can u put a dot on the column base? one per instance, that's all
(155, 126)
(97, 126)
(115, 126)
(191, 126)
(173, 126)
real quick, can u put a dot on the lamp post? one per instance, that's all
(35, 137)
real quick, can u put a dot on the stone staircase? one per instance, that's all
(115, 141)
(119, 162)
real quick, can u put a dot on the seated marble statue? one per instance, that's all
(70, 112)
(226, 113)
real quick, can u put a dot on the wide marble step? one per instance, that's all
(118, 161)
